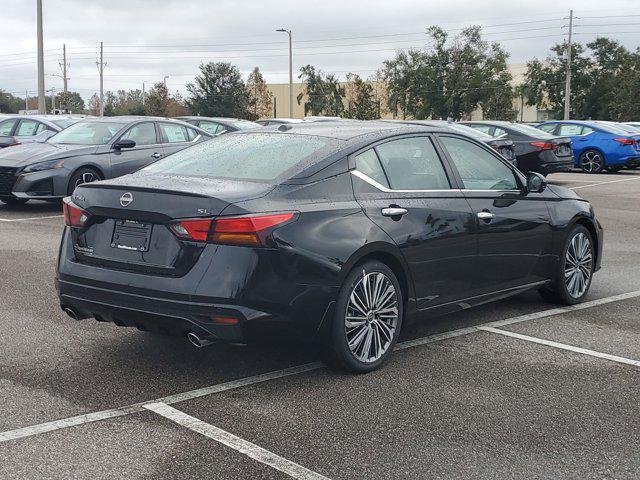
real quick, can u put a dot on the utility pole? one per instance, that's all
(567, 87)
(64, 67)
(42, 107)
(101, 69)
(164, 80)
(288, 32)
(143, 92)
(26, 101)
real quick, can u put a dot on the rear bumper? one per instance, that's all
(557, 166)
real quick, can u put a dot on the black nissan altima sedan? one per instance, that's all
(335, 232)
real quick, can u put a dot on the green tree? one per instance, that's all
(324, 94)
(260, 99)
(218, 91)
(624, 105)
(450, 78)
(10, 103)
(71, 101)
(157, 101)
(361, 103)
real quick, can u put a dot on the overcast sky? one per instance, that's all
(148, 39)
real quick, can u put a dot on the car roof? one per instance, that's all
(347, 130)
(132, 118)
(222, 119)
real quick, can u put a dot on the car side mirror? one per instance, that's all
(536, 182)
(6, 141)
(121, 144)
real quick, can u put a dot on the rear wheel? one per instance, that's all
(575, 269)
(591, 161)
(13, 201)
(83, 175)
(367, 319)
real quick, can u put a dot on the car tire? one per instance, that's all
(82, 175)
(591, 161)
(574, 272)
(367, 319)
(13, 201)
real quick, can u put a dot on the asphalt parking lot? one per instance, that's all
(515, 389)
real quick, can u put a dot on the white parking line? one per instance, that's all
(563, 346)
(29, 218)
(605, 183)
(249, 449)
(243, 382)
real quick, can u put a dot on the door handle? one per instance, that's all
(156, 155)
(485, 215)
(394, 212)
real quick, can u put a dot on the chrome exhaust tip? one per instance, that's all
(71, 312)
(198, 341)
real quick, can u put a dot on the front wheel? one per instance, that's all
(591, 161)
(575, 269)
(82, 175)
(13, 201)
(367, 319)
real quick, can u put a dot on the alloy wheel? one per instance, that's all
(591, 162)
(578, 265)
(371, 317)
(86, 177)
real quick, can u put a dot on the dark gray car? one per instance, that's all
(17, 129)
(90, 150)
(219, 125)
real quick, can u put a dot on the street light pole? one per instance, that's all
(42, 106)
(165, 80)
(288, 32)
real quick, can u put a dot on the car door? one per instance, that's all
(175, 137)
(147, 150)
(404, 187)
(514, 232)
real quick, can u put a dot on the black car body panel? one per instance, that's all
(445, 258)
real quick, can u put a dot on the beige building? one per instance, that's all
(280, 93)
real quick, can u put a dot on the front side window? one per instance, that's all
(252, 156)
(412, 164)
(142, 134)
(7, 126)
(570, 129)
(479, 169)
(173, 133)
(368, 163)
(88, 133)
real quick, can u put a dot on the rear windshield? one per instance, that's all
(88, 133)
(469, 131)
(529, 130)
(252, 156)
(245, 124)
(610, 127)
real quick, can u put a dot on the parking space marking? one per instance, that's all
(563, 346)
(222, 387)
(230, 440)
(29, 218)
(605, 183)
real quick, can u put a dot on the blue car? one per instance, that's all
(598, 145)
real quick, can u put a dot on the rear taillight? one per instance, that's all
(544, 145)
(248, 231)
(625, 141)
(74, 216)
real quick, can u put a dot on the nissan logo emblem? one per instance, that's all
(126, 199)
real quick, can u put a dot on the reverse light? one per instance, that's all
(625, 141)
(74, 216)
(247, 231)
(543, 145)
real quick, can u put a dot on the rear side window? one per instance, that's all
(173, 133)
(412, 164)
(479, 169)
(254, 156)
(368, 163)
(7, 126)
(29, 128)
(482, 128)
(570, 129)
(192, 134)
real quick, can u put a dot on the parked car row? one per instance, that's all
(17, 129)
